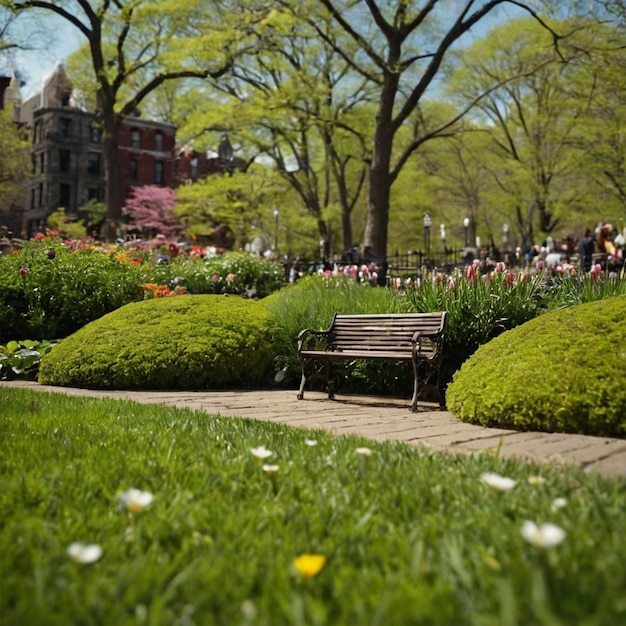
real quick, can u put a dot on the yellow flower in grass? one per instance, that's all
(84, 552)
(135, 500)
(536, 481)
(309, 565)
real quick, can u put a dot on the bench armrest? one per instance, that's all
(309, 338)
(434, 339)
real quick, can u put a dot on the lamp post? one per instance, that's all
(466, 225)
(505, 234)
(276, 231)
(427, 224)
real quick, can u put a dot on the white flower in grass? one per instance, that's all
(135, 500)
(558, 503)
(310, 442)
(544, 536)
(535, 480)
(364, 451)
(270, 469)
(497, 482)
(84, 552)
(261, 452)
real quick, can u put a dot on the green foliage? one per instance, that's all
(311, 303)
(410, 537)
(184, 342)
(20, 359)
(479, 309)
(48, 292)
(563, 371)
(232, 273)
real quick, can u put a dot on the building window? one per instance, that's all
(134, 170)
(158, 141)
(40, 203)
(93, 163)
(32, 198)
(64, 195)
(92, 194)
(64, 160)
(42, 163)
(158, 173)
(194, 168)
(65, 127)
(135, 139)
(95, 134)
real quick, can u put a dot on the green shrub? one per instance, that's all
(185, 342)
(49, 292)
(233, 273)
(563, 371)
(20, 359)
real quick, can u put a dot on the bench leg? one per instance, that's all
(302, 382)
(415, 388)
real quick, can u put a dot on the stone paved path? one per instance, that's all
(383, 419)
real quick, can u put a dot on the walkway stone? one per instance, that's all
(382, 419)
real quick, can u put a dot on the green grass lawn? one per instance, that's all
(404, 536)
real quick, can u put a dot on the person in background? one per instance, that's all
(586, 249)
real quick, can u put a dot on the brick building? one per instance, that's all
(68, 168)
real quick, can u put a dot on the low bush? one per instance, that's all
(563, 371)
(20, 359)
(185, 342)
(396, 535)
(49, 290)
(233, 273)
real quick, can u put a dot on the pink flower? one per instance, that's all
(471, 273)
(24, 270)
(595, 271)
(500, 267)
(509, 278)
(409, 282)
(230, 278)
(451, 283)
(215, 278)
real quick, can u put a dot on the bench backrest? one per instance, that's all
(383, 332)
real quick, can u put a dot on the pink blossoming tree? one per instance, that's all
(150, 212)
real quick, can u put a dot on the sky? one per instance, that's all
(38, 64)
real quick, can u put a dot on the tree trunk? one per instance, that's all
(113, 223)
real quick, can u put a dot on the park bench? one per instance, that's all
(413, 337)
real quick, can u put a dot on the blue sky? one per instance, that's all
(37, 64)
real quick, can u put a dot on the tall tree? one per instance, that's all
(291, 104)
(401, 47)
(137, 45)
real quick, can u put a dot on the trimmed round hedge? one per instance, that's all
(564, 371)
(181, 342)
